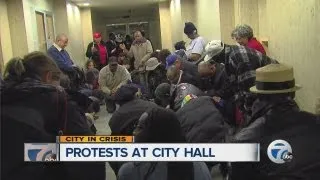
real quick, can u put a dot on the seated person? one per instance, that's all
(276, 116)
(158, 125)
(111, 78)
(124, 120)
(180, 50)
(34, 108)
(156, 74)
(124, 61)
(176, 76)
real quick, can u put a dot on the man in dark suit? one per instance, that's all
(58, 53)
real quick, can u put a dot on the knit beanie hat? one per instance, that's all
(189, 28)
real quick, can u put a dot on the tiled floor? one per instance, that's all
(104, 129)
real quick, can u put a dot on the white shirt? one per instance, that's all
(58, 47)
(196, 46)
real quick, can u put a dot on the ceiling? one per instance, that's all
(116, 3)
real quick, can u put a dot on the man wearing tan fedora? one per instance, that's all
(276, 116)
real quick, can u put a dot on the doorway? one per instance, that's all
(45, 30)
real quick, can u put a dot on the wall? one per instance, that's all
(75, 34)
(208, 19)
(17, 27)
(165, 25)
(86, 27)
(294, 39)
(5, 36)
(29, 8)
(189, 14)
(227, 20)
(176, 21)
(60, 16)
(246, 12)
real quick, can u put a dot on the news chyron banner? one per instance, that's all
(123, 148)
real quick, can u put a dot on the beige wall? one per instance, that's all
(17, 27)
(176, 21)
(5, 37)
(208, 19)
(294, 39)
(86, 27)
(189, 14)
(29, 8)
(76, 50)
(165, 25)
(60, 15)
(227, 20)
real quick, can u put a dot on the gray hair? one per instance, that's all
(60, 36)
(242, 31)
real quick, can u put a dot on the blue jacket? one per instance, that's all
(62, 59)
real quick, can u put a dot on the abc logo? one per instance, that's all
(279, 151)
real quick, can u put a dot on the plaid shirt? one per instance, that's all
(241, 64)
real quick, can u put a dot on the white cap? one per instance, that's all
(212, 49)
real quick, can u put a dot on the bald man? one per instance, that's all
(58, 53)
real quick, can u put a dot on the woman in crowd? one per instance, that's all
(34, 108)
(92, 75)
(97, 51)
(243, 34)
(158, 125)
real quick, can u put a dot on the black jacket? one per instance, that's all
(155, 78)
(124, 120)
(33, 112)
(214, 85)
(111, 45)
(96, 55)
(281, 120)
(201, 121)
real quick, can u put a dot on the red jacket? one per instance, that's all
(255, 44)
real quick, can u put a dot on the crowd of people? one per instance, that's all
(202, 92)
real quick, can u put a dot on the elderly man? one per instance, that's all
(187, 71)
(240, 64)
(111, 78)
(243, 34)
(276, 116)
(141, 50)
(195, 48)
(156, 74)
(58, 53)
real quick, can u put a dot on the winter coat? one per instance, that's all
(96, 55)
(201, 121)
(179, 92)
(154, 78)
(33, 112)
(214, 85)
(281, 120)
(124, 120)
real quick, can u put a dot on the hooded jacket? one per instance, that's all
(201, 121)
(35, 112)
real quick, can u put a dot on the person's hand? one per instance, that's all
(216, 99)
(122, 46)
(93, 49)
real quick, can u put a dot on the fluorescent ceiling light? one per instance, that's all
(86, 4)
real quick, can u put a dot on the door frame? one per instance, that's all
(45, 14)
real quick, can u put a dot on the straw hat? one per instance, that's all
(212, 49)
(274, 79)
